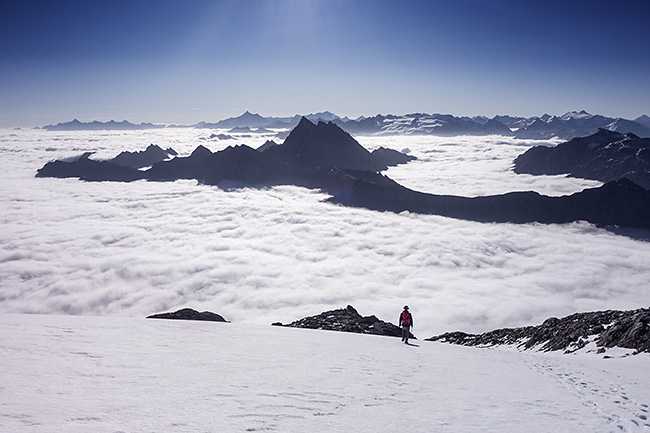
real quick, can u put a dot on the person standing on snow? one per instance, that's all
(405, 322)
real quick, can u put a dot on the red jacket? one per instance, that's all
(405, 318)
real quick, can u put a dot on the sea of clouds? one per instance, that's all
(279, 254)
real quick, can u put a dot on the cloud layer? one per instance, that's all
(132, 249)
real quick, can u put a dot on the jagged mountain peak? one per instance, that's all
(643, 120)
(322, 145)
(305, 123)
(201, 151)
(249, 114)
(582, 114)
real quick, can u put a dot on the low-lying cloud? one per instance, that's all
(132, 249)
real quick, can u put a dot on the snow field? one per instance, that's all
(101, 374)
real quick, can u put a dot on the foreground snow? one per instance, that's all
(101, 374)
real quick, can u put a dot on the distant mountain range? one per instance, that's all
(76, 125)
(567, 126)
(241, 124)
(325, 157)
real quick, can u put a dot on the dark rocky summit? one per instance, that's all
(625, 329)
(267, 144)
(606, 156)
(324, 145)
(189, 314)
(347, 320)
(152, 154)
(391, 157)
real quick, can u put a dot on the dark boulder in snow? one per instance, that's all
(190, 314)
(347, 320)
(625, 329)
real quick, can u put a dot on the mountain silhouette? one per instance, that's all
(146, 158)
(325, 157)
(322, 145)
(605, 156)
(621, 203)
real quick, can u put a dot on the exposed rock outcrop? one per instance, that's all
(347, 320)
(625, 329)
(189, 314)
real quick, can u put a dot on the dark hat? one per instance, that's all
(406, 307)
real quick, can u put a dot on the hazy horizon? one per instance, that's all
(174, 63)
(84, 120)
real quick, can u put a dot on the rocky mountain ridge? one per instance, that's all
(616, 204)
(151, 155)
(607, 329)
(306, 158)
(605, 155)
(325, 157)
(347, 320)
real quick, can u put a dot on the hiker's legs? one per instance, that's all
(405, 333)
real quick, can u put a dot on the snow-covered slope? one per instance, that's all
(100, 374)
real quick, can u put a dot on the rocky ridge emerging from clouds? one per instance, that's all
(605, 156)
(311, 156)
(608, 329)
(325, 157)
(347, 320)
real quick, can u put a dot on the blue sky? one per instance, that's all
(183, 62)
